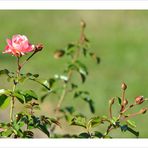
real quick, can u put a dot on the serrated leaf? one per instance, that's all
(4, 101)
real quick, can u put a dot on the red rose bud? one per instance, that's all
(38, 47)
(143, 110)
(59, 53)
(139, 100)
(123, 86)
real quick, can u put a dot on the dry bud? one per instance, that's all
(139, 100)
(111, 101)
(123, 86)
(38, 47)
(83, 24)
(59, 53)
(143, 110)
(125, 102)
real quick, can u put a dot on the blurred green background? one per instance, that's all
(120, 38)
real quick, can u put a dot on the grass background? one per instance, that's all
(120, 38)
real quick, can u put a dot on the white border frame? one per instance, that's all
(73, 143)
(73, 5)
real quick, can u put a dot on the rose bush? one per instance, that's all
(23, 123)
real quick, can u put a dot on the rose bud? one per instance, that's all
(38, 47)
(59, 53)
(143, 110)
(139, 100)
(111, 101)
(125, 102)
(83, 24)
(123, 86)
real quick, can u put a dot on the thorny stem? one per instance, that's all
(70, 73)
(14, 87)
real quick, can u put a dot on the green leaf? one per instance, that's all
(43, 97)
(51, 82)
(91, 104)
(74, 86)
(124, 128)
(4, 101)
(69, 49)
(133, 131)
(29, 95)
(4, 72)
(84, 51)
(7, 133)
(44, 129)
(70, 45)
(28, 134)
(19, 96)
(131, 123)
(55, 121)
(44, 83)
(84, 95)
(84, 135)
(119, 100)
(82, 69)
(94, 122)
(93, 56)
(98, 134)
(70, 109)
(79, 121)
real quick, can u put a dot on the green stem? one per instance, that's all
(14, 87)
(70, 73)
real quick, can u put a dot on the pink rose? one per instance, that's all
(18, 46)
